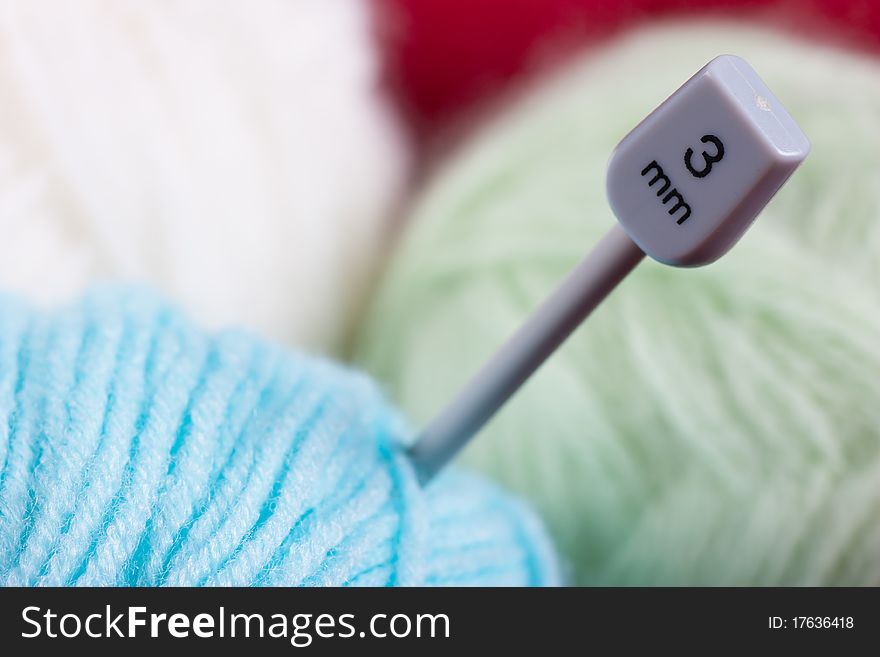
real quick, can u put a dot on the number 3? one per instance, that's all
(708, 160)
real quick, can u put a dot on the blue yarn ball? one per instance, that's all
(138, 450)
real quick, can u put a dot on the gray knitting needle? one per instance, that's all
(548, 327)
(679, 207)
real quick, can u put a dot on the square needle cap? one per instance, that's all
(688, 181)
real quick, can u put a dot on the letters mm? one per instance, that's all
(661, 177)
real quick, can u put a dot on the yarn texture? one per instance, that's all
(138, 450)
(710, 426)
(224, 152)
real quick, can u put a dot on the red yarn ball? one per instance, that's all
(445, 56)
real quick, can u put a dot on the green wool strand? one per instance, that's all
(710, 426)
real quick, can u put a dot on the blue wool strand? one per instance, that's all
(138, 451)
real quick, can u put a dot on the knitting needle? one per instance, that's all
(678, 207)
(547, 328)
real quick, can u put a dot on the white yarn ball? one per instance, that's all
(237, 155)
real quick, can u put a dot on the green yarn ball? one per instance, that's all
(709, 426)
